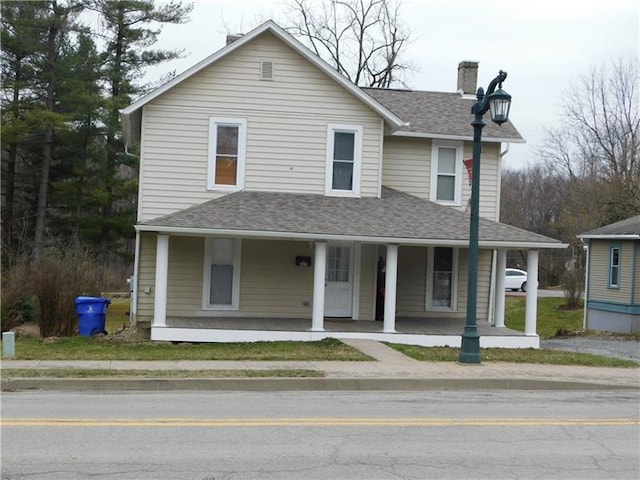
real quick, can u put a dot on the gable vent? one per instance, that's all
(266, 70)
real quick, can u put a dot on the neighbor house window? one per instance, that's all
(446, 172)
(227, 145)
(344, 150)
(614, 267)
(442, 278)
(222, 273)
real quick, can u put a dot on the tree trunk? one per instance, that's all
(47, 148)
(9, 200)
(10, 176)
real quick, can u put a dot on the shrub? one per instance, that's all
(573, 281)
(56, 280)
(18, 305)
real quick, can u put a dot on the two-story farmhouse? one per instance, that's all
(278, 200)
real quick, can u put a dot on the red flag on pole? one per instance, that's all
(468, 162)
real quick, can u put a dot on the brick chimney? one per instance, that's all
(468, 77)
(232, 38)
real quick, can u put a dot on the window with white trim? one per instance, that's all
(221, 274)
(446, 172)
(227, 148)
(344, 152)
(442, 274)
(614, 267)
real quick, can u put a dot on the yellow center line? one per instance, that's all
(315, 422)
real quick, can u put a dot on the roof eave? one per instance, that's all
(264, 234)
(469, 138)
(610, 236)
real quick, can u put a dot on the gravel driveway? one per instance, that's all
(626, 349)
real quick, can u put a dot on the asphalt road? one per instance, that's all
(313, 435)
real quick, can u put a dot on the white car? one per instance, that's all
(515, 280)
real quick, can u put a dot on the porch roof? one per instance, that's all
(394, 218)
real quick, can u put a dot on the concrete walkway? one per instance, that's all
(390, 370)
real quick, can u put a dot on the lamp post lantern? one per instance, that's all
(498, 102)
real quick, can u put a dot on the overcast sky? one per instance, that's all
(544, 45)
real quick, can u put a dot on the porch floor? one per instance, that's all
(404, 325)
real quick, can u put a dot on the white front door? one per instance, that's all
(338, 294)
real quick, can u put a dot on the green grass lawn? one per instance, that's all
(529, 355)
(117, 314)
(551, 317)
(96, 348)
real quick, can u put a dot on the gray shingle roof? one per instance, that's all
(394, 216)
(439, 113)
(630, 226)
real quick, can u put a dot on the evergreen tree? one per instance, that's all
(130, 27)
(22, 38)
(58, 24)
(81, 145)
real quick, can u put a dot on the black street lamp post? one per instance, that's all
(498, 102)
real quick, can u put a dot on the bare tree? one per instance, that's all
(363, 39)
(589, 173)
(535, 200)
(599, 138)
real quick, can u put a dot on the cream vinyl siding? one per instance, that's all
(368, 270)
(489, 179)
(484, 282)
(412, 284)
(146, 276)
(407, 167)
(599, 271)
(184, 284)
(286, 128)
(412, 264)
(271, 284)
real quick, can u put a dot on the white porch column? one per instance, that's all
(501, 265)
(162, 270)
(319, 273)
(531, 311)
(390, 289)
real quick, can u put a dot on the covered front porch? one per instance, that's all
(284, 266)
(432, 332)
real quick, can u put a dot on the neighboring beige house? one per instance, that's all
(612, 293)
(278, 200)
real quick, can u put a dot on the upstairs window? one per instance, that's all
(227, 145)
(446, 173)
(344, 150)
(614, 267)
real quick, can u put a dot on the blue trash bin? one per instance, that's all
(91, 315)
